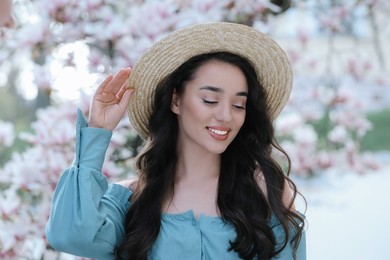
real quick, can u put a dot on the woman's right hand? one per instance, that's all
(110, 101)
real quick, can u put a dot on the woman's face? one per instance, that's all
(6, 19)
(211, 110)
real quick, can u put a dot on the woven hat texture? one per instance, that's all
(270, 62)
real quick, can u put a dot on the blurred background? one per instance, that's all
(335, 126)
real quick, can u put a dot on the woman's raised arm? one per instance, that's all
(110, 101)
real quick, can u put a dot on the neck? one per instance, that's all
(196, 165)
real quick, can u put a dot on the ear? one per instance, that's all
(175, 103)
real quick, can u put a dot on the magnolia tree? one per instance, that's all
(321, 127)
(340, 75)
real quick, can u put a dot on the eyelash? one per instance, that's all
(209, 102)
(215, 102)
(239, 107)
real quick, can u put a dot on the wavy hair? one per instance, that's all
(240, 200)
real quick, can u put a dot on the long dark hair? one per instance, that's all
(240, 200)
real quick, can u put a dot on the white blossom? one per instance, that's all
(7, 135)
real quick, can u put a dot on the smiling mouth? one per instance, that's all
(218, 132)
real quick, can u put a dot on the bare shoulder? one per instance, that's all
(131, 184)
(288, 193)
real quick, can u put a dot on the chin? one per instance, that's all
(217, 150)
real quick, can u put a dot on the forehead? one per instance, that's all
(221, 74)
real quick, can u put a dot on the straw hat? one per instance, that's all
(270, 62)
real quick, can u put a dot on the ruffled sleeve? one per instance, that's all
(87, 214)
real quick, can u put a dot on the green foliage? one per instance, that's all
(6, 152)
(322, 128)
(16, 110)
(378, 138)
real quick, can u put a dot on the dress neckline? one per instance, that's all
(190, 215)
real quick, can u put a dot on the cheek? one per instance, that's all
(242, 119)
(196, 115)
(188, 115)
(193, 108)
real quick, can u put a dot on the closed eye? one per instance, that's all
(209, 101)
(239, 107)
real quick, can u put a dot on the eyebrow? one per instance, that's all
(220, 90)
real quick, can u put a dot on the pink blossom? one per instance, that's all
(338, 134)
(107, 30)
(209, 8)
(287, 122)
(258, 6)
(341, 11)
(351, 116)
(358, 69)
(9, 202)
(33, 34)
(325, 160)
(90, 5)
(330, 23)
(370, 161)
(305, 135)
(152, 19)
(111, 170)
(373, 3)
(55, 126)
(53, 5)
(303, 37)
(28, 170)
(302, 158)
(113, 30)
(105, 13)
(143, 43)
(125, 44)
(293, 55)
(42, 77)
(71, 32)
(119, 136)
(13, 232)
(97, 61)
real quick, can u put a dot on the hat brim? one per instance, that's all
(268, 58)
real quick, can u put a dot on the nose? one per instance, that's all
(224, 112)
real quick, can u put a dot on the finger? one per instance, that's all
(100, 88)
(118, 80)
(126, 99)
(121, 91)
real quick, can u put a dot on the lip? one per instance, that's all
(219, 133)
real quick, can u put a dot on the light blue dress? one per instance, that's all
(87, 214)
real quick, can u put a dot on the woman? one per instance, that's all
(208, 187)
